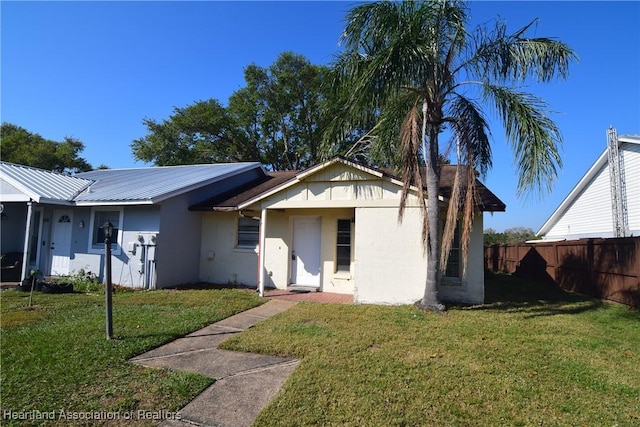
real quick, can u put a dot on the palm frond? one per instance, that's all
(498, 56)
(410, 141)
(533, 136)
(471, 130)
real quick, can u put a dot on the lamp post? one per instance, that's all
(108, 230)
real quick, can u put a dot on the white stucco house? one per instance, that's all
(587, 210)
(333, 227)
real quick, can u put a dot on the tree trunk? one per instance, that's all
(430, 300)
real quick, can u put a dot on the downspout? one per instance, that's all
(261, 251)
(27, 238)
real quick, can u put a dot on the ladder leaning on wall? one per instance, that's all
(618, 185)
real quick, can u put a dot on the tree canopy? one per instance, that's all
(20, 146)
(510, 235)
(276, 119)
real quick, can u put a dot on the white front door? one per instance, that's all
(305, 255)
(61, 242)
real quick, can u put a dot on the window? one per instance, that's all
(453, 264)
(248, 232)
(98, 219)
(343, 246)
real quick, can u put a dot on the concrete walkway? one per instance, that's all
(245, 382)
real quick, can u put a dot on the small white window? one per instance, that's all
(99, 217)
(248, 232)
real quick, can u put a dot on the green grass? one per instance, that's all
(55, 355)
(533, 355)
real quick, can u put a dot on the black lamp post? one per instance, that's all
(108, 231)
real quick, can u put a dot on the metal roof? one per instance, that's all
(41, 185)
(153, 184)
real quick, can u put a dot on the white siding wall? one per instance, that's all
(590, 214)
(632, 176)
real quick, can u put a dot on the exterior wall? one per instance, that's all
(221, 261)
(390, 264)
(132, 267)
(278, 248)
(470, 289)
(632, 179)
(590, 214)
(178, 243)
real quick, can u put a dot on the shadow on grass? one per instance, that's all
(505, 292)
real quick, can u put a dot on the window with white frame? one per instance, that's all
(99, 216)
(248, 232)
(343, 246)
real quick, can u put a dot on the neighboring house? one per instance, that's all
(333, 227)
(157, 240)
(588, 209)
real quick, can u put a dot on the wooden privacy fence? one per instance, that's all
(604, 268)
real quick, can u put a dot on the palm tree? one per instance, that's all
(415, 71)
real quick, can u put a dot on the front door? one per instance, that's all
(305, 255)
(61, 242)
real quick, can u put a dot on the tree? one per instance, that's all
(204, 132)
(415, 68)
(510, 236)
(23, 147)
(283, 108)
(277, 119)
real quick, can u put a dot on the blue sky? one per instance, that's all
(94, 70)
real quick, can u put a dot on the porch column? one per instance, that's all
(27, 238)
(263, 233)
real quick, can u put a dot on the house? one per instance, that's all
(333, 227)
(588, 209)
(55, 221)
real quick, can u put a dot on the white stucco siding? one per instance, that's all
(470, 289)
(632, 179)
(390, 264)
(221, 261)
(590, 213)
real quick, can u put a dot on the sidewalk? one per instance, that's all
(245, 382)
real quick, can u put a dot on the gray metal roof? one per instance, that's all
(152, 184)
(41, 185)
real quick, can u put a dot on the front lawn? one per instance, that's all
(55, 356)
(533, 355)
